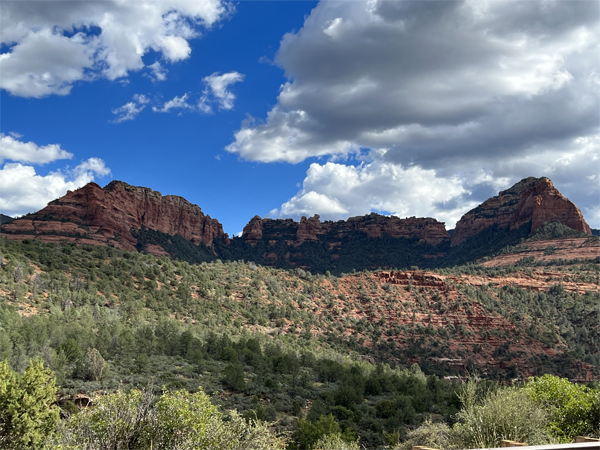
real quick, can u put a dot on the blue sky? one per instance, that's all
(291, 108)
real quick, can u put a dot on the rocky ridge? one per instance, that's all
(373, 225)
(109, 215)
(532, 200)
(119, 215)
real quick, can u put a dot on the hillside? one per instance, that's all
(282, 344)
(381, 314)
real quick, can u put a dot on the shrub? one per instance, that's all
(116, 421)
(27, 414)
(433, 435)
(309, 433)
(507, 413)
(574, 409)
(180, 420)
(335, 442)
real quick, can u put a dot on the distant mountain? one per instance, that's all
(531, 202)
(595, 232)
(112, 216)
(138, 218)
(5, 219)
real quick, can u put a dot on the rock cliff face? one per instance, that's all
(374, 225)
(92, 215)
(531, 200)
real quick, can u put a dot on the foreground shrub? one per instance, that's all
(435, 435)
(507, 413)
(116, 421)
(27, 414)
(574, 410)
(335, 442)
(179, 421)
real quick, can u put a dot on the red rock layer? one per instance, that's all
(534, 200)
(106, 217)
(374, 225)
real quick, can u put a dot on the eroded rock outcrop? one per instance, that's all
(373, 225)
(531, 200)
(93, 215)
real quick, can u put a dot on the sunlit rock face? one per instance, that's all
(534, 200)
(93, 215)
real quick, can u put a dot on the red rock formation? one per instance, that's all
(534, 200)
(308, 229)
(374, 225)
(253, 231)
(107, 216)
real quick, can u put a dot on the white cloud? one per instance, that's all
(481, 94)
(337, 191)
(45, 63)
(28, 152)
(175, 103)
(310, 203)
(431, 80)
(90, 167)
(22, 190)
(52, 45)
(158, 72)
(130, 110)
(217, 90)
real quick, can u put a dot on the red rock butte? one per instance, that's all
(93, 215)
(534, 200)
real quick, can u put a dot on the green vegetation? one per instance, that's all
(574, 410)
(556, 230)
(178, 420)
(314, 355)
(27, 413)
(544, 410)
(506, 413)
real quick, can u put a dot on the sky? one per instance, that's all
(289, 108)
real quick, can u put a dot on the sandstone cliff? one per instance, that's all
(373, 225)
(531, 200)
(92, 215)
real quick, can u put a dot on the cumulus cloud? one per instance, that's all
(217, 91)
(52, 45)
(338, 191)
(29, 152)
(130, 110)
(463, 91)
(218, 85)
(22, 190)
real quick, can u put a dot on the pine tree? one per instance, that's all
(27, 414)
